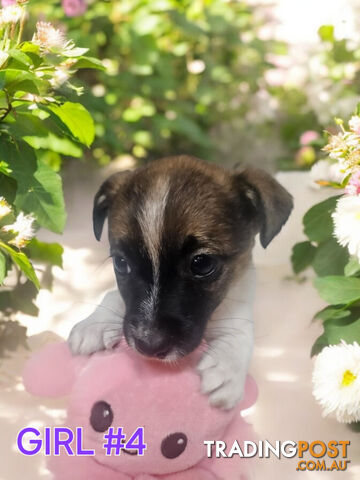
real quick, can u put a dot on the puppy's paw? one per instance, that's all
(88, 337)
(222, 379)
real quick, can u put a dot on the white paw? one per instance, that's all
(88, 336)
(222, 379)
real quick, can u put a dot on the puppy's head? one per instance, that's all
(180, 230)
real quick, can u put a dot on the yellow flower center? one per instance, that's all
(348, 378)
(357, 216)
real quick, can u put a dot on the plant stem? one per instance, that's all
(8, 109)
(21, 29)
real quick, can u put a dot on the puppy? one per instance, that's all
(181, 233)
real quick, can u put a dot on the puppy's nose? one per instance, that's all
(153, 348)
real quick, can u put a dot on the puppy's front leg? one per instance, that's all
(102, 330)
(229, 335)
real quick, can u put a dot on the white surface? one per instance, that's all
(281, 364)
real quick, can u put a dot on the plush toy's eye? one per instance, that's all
(173, 445)
(101, 416)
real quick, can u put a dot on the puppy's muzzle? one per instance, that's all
(158, 348)
(148, 340)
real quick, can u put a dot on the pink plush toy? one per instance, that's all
(121, 389)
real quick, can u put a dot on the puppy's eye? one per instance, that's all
(203, 265)
(101, 416)
(121, 265)
(173, 445)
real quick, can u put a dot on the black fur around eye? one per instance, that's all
(101, 416)
(121, 265)
(173, 445)
(203, 265)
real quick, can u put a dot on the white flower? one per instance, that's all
(326, 171)
(347, 223)
(11, 13)
(23, 228)
(4, 208)
(48, 36)
(336, 381)
(60, 76)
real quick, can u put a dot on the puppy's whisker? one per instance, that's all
(220, 319)
(236, 300)
(224, 330)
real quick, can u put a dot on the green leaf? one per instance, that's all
(320, 343)
(33, 52)
(317, 221)
(20, 298)
(89, 62)
(57, 144)
(328, 313)
(4, 168)
(3, 100)
(335, 330)
(326, 33)
(39, 188)
(330, 258)
(20, 57)
(338, 290)
(302, 256)
(77, 119)
(20, 80)
(37, 134)
(45, 252)
(22, 261)
(352, 268)
(2, 268)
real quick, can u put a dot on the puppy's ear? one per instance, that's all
(272, 203)
(104, 198)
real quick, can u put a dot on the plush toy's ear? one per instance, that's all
(251, 393)
(272, 203)
(104, 198)
(52, 371)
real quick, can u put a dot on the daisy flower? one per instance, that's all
(22, 228)
(336, 381)
(347, 223)
(48, 37)
(4, 208)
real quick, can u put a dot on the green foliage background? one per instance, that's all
(163, 77)
(337, 276)
(148, 102)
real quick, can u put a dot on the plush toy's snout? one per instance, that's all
(121, 389)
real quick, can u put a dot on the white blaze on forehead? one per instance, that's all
(151, 220)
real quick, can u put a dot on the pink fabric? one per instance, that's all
(164, 399)
(74, 8)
